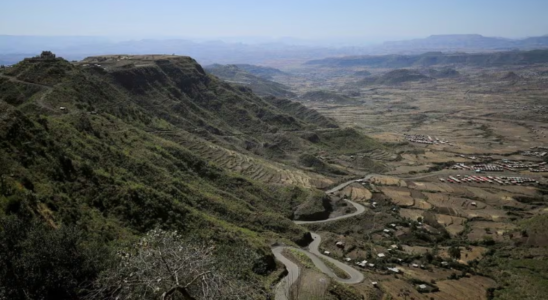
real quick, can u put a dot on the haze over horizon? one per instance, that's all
(362, 21)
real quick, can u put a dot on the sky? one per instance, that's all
(307, 19)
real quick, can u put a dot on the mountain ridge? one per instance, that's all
(436, 58)
(279, 54)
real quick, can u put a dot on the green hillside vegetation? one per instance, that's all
(259, 82)
(317, 207)
(302, 112)
(126, 155)
(521, 268)
(317, 165)
(347, 141)
(438, 58)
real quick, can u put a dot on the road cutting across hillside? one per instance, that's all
(313, 252)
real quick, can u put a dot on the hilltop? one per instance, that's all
(443, 73)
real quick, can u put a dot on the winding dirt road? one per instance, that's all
(360, 209)
(355, 276)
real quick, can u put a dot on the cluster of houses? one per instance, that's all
(540, 168)
(469, 157)
(504, 165)
(502, 180)
(93, 66)
(366, 264)
(394, 269)
(535, 153)
(424, 139)
(478, 167)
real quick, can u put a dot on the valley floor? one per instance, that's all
(447, 239)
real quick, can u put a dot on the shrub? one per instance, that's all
(40, 262)
(164, 265)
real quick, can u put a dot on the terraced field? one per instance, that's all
(258, 168)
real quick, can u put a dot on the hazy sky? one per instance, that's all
(274, 18)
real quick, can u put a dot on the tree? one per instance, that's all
(162, 265)
(40, 262)
(5, 169)
(428, 257)
(454, 252)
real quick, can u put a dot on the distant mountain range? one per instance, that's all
(278, 53)
(437, 58)
(461, 42)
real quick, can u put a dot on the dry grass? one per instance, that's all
(453, 225)
(495, 230)
(399, 196)
(467, 253)
(386, 180)
(356, 192)
(473, 288)
(312, 285)
(412, 214)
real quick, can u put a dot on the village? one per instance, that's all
(540, 152)
(502, 180)
(395, 261)
(504, 165)
(424, 139)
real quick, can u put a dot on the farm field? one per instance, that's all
(442, 233)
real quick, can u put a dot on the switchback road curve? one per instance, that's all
(283, 288)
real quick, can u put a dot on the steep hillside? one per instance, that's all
(302, 112)
(119, 145)
(174, 98)
(260, 84)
